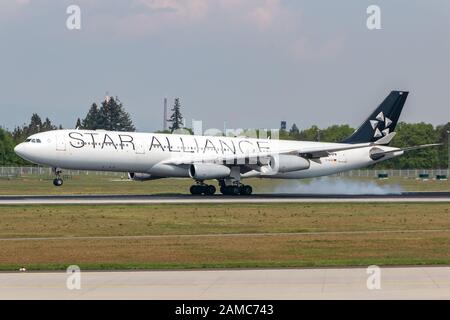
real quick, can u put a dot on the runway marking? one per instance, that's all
(269, 234)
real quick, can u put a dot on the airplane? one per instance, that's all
(229, 160)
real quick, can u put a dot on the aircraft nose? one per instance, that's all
(20, 149)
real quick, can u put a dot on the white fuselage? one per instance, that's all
(148, 152)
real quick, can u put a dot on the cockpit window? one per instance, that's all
(38, 140)
(33, 140)
(28, 140)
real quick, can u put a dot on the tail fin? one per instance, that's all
(382, 121)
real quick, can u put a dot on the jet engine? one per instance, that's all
(140, 176)
(287, 163)
(206, 171)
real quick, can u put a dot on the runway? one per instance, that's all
(395, 283)
(256, 198)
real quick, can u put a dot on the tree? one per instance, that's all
(335, 133)
(113, 117)
(294, 130)
(442, 134)
(7, 155)
(19, 134)
(310, 134)
(78, 124)
(412, 134)
(91, 121)
(36, 125)
(176, 118)
(47, 125)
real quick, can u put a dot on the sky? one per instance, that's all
(251, 63)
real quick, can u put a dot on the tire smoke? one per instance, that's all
(327, 185)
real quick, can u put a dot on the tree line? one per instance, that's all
(111, 115)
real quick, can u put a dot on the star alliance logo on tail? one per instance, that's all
(386, 122)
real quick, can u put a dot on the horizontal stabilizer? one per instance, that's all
(421, 147)
(378, 154)
(386, 139)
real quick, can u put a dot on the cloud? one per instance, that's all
(187, 10)
(265, 22)
(261, 23)
(268, 14)
(154, 15)
(140, 18)
(304, 48)
(148, 17)
(12, 7)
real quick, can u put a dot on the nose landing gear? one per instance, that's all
(57, 182)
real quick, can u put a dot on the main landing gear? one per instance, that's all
(230, 186)
(202, 188)
(233, 187)
(57, 182)
(231, 190)
(243, 190)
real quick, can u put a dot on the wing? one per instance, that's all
(309, 152)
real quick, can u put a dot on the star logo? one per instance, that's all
(381, 125)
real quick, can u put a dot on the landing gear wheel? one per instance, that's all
(196, 190)
(230, 190)
(58, 182)
(205, 189)
(210, 190)
(246, 190)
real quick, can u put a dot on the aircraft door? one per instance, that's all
(140, 147)
(60, 142)
(341, 157)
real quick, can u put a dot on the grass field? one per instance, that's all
(212, 236)
(106, 184)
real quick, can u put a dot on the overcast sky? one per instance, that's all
(251, 63)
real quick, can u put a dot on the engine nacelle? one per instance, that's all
(140, 176)
(206, 171)
(287, 163)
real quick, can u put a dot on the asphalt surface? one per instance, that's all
(395, 283)
(257, 198)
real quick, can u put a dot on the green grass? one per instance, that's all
(231, 265)
(182, 219)
(287, 243)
